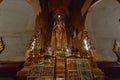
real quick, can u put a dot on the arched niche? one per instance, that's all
(16, 28)
(103, 24)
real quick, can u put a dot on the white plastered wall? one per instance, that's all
(103, 25)
(16, 28)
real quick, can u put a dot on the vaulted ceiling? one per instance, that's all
(70, 6)
(75, 9)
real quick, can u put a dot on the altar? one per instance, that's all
(60, 59)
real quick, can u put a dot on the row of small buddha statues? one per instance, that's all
(35, 57)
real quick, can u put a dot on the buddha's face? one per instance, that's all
(59, 17)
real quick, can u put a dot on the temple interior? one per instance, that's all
(59, 40)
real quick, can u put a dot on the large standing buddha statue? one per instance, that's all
(58, 37)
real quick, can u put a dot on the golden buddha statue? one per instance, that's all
(116, 49)
(1, 45)
(58, 37)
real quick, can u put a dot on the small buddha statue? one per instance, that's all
(116, 49)
(1, 45)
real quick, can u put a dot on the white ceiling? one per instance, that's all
(16, 15)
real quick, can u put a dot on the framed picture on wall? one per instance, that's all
(72, 75)
(86, 75)
(83, 64)
(99, 77)
(34, 78)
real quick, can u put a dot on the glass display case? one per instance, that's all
(42, 71)
(78, 69)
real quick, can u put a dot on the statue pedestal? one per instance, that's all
(60, 68)
(23, 73)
